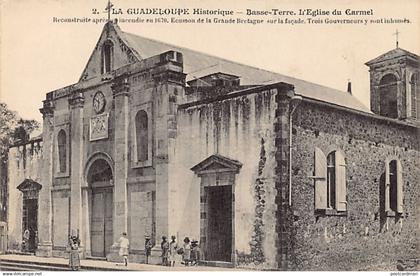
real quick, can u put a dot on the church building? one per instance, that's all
(264, 170)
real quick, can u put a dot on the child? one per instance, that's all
(187, 251)
(173, 246)
(195, 252)
(147, 247)
(124, 243)
(165, 251)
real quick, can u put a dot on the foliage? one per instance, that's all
(13, 129)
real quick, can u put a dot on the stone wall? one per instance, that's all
(361, 239)
(24, 162)
(240, 128)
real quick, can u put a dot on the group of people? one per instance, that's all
(189, 251)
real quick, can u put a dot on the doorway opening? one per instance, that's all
(100, 181)
(30, 190)
(219, 213)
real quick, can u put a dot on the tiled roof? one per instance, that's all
(197, 64)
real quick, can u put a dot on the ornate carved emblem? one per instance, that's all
(99, 127)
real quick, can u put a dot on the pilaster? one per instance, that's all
(120, 91)
(169, 83)
(76, 102)
(44, 203)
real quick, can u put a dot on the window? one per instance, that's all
(330, 181)
(388, 96)
(393, 186)
(107, 57)
(62, 151)
(142, 136)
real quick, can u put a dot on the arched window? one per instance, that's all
(388, 96)
(62, 150)
(415, 97)
(107, 51)
(142, 133)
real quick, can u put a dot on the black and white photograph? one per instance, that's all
(193, 136)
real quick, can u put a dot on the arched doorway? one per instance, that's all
(100, 180)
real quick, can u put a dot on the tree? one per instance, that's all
(13, 130)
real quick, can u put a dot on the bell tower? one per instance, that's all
(394, 85)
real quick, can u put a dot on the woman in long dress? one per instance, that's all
(186, 256)
(74, 259)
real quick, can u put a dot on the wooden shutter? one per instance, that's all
(400, 184)
(320, 180)
(387, 186)
(340, 182)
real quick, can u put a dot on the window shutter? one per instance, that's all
(340, 182)
(387, 186)
(400, 184)
(320, 180)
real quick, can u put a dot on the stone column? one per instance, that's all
(44, 203)
(120, 91)
(401, 100)
(76, 102)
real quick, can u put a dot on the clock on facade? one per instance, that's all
(98, 102)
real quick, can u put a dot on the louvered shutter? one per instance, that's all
(387, 186)
(400, 184)
(320, 180)
(340, 182)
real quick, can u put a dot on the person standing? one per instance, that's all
(186, 256)
(124, 244)
(173, 247)
(74, 258)
(195, 252)
(147, 247)
(25, 243)
(165, 251)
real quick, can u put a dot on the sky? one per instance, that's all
(38, 56)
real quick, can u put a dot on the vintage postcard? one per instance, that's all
(209, 136)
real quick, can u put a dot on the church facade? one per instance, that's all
(262, 169)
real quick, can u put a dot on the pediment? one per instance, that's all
(122, 53)
(29, 185)
(393, 54)
(217, 163)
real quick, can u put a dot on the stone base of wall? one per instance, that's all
(44, 250)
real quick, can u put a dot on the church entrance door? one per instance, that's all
(219, 235)
(101, 224)
(102, 206)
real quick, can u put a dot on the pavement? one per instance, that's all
(88, 264)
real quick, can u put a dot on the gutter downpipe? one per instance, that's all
(296, 99)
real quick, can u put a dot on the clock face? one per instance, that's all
(99, 102)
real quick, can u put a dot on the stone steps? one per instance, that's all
(9, 265)
(23, 265)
